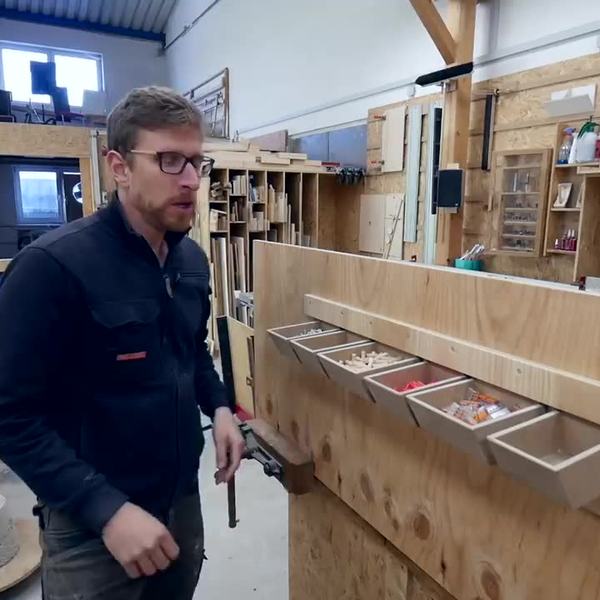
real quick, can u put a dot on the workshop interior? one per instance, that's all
(402, 225)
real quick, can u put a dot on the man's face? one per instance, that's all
(166, 201)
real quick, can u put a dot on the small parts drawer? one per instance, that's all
(308, 349)
(352, 377)
(557, 454)
(391, 388)
(430, 409)
(282, 336)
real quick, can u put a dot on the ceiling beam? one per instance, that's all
(435, 26)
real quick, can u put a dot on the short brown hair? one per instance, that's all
(149, 108)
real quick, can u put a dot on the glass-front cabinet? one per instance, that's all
(518, 201)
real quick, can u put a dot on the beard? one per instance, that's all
(176, 215)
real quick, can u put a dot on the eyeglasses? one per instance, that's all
(173, 163)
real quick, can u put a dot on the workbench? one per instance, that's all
(397, 511)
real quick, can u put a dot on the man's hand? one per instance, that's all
(229, 444)
(141, 543)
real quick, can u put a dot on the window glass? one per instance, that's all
(76, 74)
(17, 74)
(39, 196)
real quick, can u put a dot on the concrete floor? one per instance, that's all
(250, 561)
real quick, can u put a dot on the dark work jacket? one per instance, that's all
(103, 365)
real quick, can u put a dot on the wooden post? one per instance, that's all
(455, 140)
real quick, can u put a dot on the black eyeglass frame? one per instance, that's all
(201, 169)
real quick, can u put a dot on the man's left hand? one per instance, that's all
(228, 443)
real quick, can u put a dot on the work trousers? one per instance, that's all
(77, 565)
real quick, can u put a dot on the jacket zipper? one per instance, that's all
(169, 290)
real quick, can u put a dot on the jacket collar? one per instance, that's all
(114, 216)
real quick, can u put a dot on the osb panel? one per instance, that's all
(21, 139)
(335, 555)
(572, 69)
(476, 531)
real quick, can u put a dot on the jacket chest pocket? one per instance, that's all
(126, 340)
(192, 302)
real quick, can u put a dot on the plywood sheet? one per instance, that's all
(372, 223)
(393, 140)
(239, 333)
(475, 530)
(50, 141)
(334, 554)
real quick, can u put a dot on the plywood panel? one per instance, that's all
(476, 531)
(240, 360)
(393, 140)
(372, 223)
(334, 554)
(20, 139)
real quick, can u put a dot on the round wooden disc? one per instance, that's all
(27, 560)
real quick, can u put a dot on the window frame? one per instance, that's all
(51, 52)
(22, 220)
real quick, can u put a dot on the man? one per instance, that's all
(103, 365)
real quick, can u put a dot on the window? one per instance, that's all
(38, 196)
(77, 71)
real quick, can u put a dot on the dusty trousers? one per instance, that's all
(77, 565)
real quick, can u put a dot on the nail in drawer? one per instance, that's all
(281, 336)
(352, 379)
(382, 386)
(557, 454)
(307, 350)
(428, 405)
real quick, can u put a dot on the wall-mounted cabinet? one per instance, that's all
(518, 201)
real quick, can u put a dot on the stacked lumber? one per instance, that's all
(244, 155)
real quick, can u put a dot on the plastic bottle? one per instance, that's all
(565, 148)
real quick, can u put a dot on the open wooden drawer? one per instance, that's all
(281, 336)
(428, 405)
(557, 454)
(381, 386)
(307, 349)
(351, 379)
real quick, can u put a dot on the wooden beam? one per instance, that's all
(436, 28)
(455, 141)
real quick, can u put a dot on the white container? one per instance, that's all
(586, 147)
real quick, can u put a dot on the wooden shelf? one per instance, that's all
(506, 250)
(520, 193)
(236, 222)
(527, 223)
(522, 168)
(518, 237)
(218, 202)
(566, 252)
(219, 231)
(575, 165)
(508, 209)
(565, 209)
(237, 195)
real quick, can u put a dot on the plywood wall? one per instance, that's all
(477, 532)
(326, 534)
(521, 122)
